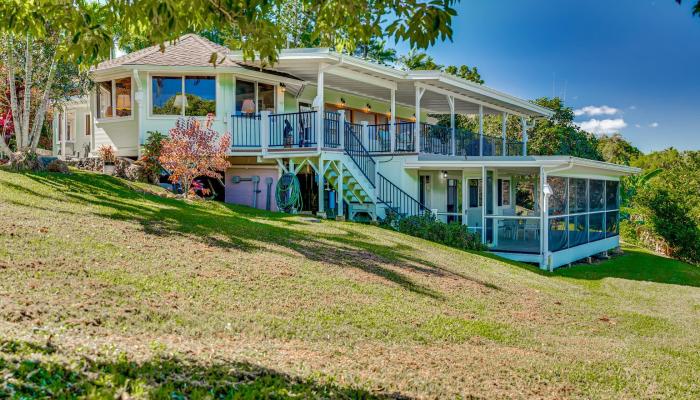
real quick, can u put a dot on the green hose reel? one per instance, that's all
(288, 193)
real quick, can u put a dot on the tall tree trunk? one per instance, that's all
(26, 113)
(40, 114)
(14, 107)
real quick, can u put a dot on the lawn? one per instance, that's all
(109, 289)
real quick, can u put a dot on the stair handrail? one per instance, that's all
(405, 200)
(359, 154)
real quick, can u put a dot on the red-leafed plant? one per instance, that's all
(193, 150)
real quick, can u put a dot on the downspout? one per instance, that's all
(545, 214)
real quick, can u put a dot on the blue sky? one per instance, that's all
(631, 66)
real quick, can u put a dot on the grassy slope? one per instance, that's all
(164, 296)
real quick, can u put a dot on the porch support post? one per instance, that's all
(392, 128)
(494, 205)
(321, 185)
(465, 194)
(320, 107)
(451, 102)
(483, 204)
(365, 134)
(264, 131)
(544, 223)
(341, 128)
(504, 127)
(339, 193)
(481, 130)
(419, 94)
(64, 126)
(524, 124)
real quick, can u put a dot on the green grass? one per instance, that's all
(111, 288)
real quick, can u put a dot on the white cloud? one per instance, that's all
(637, 126)
(603, 126)
(633, 107)
(596, 110)
(654, 125)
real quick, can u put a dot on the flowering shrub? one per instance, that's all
(192, 151)
(107, 154)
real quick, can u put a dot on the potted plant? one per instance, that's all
(108, 157)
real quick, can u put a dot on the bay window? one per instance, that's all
(114, 98)
(183, 95)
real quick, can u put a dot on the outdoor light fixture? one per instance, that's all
(368, 107)
(547, 190)
(342, 103)
(444, 174)
(413, 117)
(283, 87)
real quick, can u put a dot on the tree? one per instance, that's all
(192, 151)
(616, 149)
(417, 60)
(696, 7)
(343, 24)
(33, 80)
(465, 72)
(558, 135)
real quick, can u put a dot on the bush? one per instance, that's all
(57, 166)
(665, 209)
(151, 152)
(427, 227)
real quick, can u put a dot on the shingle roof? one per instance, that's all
(189, 50)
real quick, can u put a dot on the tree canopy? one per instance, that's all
(88, 27)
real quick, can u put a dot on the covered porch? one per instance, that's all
(392, 114)
(545, 210)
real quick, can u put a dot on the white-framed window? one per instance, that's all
(114, 98)
(88, 124)
(253, 97)
(183, 95)
(70, 127)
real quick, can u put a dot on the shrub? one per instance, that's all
(193, 150)
(107, 154)
(57, 166)
(151, 152)
(427, 227)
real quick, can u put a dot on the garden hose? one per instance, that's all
(288, 193)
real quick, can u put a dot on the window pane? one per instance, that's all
(596, 189)
(104, 99)
(167, 95)
(557, 201)
(578, 230)
(577, 196)
(245, 91)
(611, 195)
(201, 95)
(557, 233)
(123, 88)
(88, 125)
(612, 227)
(475, 193)
(595, 227)
(266, 97)
(506, 193)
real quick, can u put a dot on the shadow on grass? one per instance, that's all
(635, 264)
(227, 226)
(161, 377)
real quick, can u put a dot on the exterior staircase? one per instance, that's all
(365, 188)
